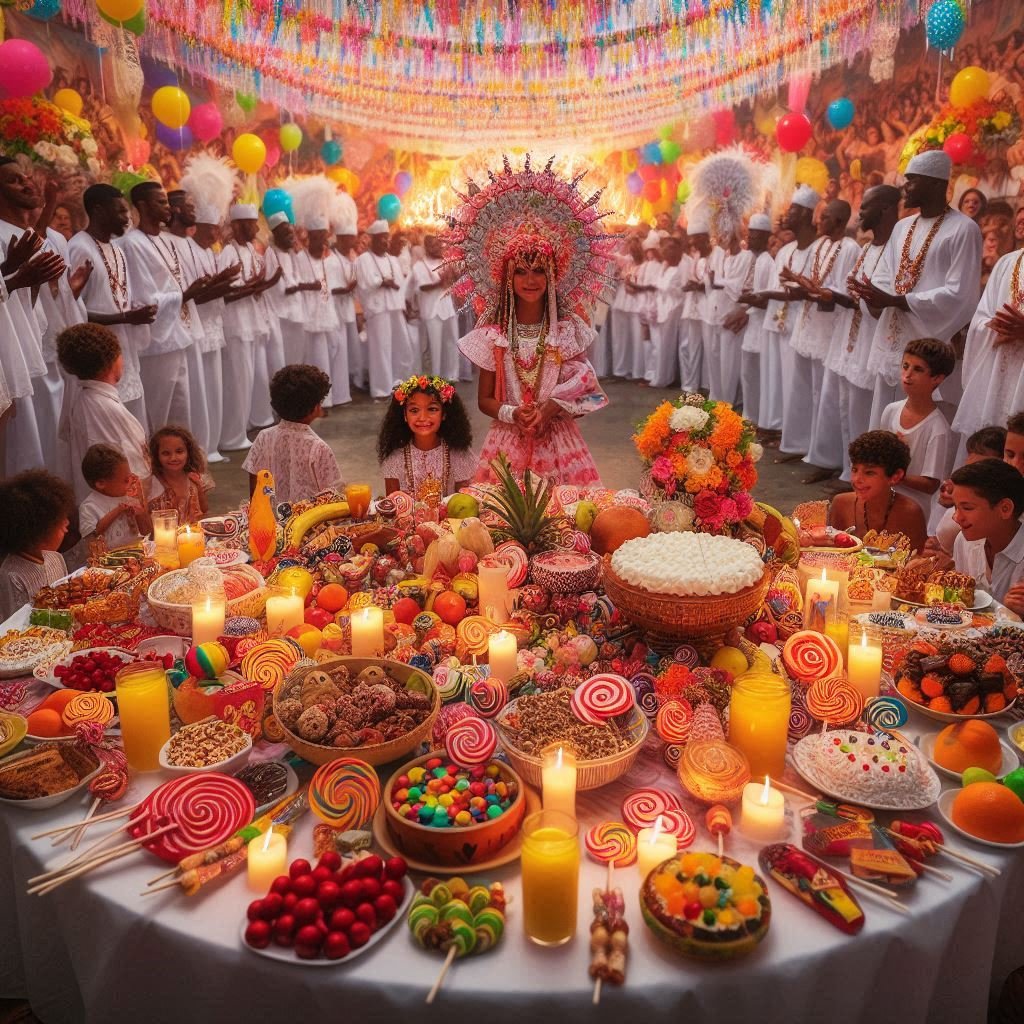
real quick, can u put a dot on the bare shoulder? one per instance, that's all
(841, 511)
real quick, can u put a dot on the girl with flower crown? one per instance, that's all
(529, 252)
(425, 440)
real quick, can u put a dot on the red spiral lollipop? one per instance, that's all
(109, 785)
(808, 656)
(611, 841)
(834, 701)
(514, 557)
(676, 822)
(446, 718)
(489, 696)
(641, 808)
(603, 696)
(207, 809)
(673, 721)
(471, 741)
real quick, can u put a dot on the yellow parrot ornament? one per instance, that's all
(262, 522)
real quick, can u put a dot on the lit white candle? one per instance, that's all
(763, 816)
(368, 632)
(653, 846)
(502, 652)
(266, 858)
(284, 610)
(865, 666)
(493, 596)
(207, 619)
(821, 601)
(191, 545)
(165, 537)
(558, 780)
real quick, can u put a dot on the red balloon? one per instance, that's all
(270, 140)
(652, 191)
(958, 147)
(648, 172)
(138, 151)
(793, 132)
(725, 127)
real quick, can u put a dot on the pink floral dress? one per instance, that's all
(566, 377)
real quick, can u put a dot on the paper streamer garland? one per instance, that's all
(834, 701)
(642, 807)
(611, 841)
(207, 808)
(344, 793)
(471, 742)
(808, 656)
(601, 697)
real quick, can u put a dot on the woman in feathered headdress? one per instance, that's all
(530, 256)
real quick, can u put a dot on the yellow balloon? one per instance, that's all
(812, 172)
(968, 86)
(170, 106)
(249, 152)
(630, 161)
(69, 100)
(122, 10)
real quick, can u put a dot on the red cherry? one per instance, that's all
(352, 893)
(370, 867)
(321, 874)
(395, 867)
(342, 919)
(258, 934)
(290, 899)
(304, 885)
(336, 946)
(348, 872)
(284, 930)
(692, 910)
(308, 941)
(367, 914)
(371, 888)
(386, 908)
(330, 860)
(393, 889)
(281, 884)
(254, 912)
(328, 894)
(273, 906)
(299, 867)
(307, 911)
(359, 934)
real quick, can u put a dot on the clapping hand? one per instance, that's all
(1008, 325)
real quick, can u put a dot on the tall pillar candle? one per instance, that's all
(266, 859)
(207, 618)
(493, 595)
(821, 601)
(191, 545)
(864, 667)
(759, 709)
(653, 847)
(558, 779)
(502, 655)
(368, 632)
(165, 537)
(285, 610)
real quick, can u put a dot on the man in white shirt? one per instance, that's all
(691, 319)
(928, 281)
(617, 329)
(285, 298)
(107, 293)
(438, 336)
(748, 323)
(663, 367)
(733, 275)
(380, 289)
(345, 299)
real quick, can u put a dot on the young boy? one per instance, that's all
(93, 412)
(918, 421)
(878, 465)
(37, 507)
(302, 463)
(989, 500)
(112, 509)
(1013, 447)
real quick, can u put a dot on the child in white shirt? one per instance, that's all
(114, 509)
(918, 421)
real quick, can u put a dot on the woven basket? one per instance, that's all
(589, 774)
(376, 753)
(177, 618)
(683, 617)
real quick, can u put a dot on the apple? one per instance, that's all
(461, 506)
(319, 617)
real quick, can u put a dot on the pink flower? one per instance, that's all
(708, 507)
(729, 511)
(744, 504)
(661, 470)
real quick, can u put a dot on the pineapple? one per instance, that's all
(522, 508)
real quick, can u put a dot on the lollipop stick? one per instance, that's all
(597, 991)
(875, 890)
(928, 869)
(85, 824)
(86, 854)
(956, 855)
(449, 960)
(92, 821)
(721, 845)
(796, 792)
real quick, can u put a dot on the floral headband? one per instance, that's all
(444, 389)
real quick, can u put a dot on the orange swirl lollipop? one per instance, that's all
(611, 841)
(834, 701)
(673, 721)
(809, 656)
(87, 707)
(269, 662)
(474, 632)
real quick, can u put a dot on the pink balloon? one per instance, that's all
(206, 122)
(138, 151)
(273, 144)
(24, 70)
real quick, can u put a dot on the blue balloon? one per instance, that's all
(944, 24)
(174, 138)
(650, 153)
(840, 112)
(156, 75)
(389, 206)
(330, 151)
(44, 10)
(277, 200)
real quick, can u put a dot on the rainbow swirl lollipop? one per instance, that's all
(344, 793)
(611, 841)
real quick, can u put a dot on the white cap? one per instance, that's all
(652, 241)
(378, 227)
(806, 197)
(242, 211)
(345, 227)
(277, 218)
(760, 222)
(932, 164)
(314, 221)
(208, 213)
(698, 221)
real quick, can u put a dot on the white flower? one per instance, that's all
(687, 418)
(47, 150)
(755, 451)
(94, 166)
(65, 156)
(89, 147)
(699, 461)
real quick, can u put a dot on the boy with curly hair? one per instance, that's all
(93, 412)
(302, 463)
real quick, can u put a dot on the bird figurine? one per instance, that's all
(262, 523)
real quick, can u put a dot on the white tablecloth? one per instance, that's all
(95, 951)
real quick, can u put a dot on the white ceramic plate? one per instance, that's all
(166, 643)
(228, 766)
(42, 803)
(1015, 736)
(945, 806)
(45, 673)
(927, 747)
(916, 800)
(952, 716)
(286, 955)
(981, 601)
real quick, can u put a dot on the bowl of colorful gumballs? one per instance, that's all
(440, 813)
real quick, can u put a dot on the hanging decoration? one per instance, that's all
(944, 24)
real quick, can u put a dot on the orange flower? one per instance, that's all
(651, 437)
(733, 459)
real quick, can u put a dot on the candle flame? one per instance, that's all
(824, 578)
(209, 604)
(266, 838)
(766, 792)
(558, 758)
(864, 638)
(656, 831)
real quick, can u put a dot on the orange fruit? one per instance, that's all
(990, 811)
(450, 608)
(332, 597)
(45, 722)
(58, 700)
(970, 744)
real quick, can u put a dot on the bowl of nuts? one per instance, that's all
(374, 709)
(207, 746)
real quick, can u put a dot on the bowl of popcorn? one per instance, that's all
(207, 746)
(686, 585)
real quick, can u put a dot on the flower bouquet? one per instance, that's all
(47, 135)
(993, 126)
(700, 458)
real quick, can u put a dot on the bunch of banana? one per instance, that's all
(298, 526)
(779, 532)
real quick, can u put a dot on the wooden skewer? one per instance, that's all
(86, 854)
(85, 824)
(876, 890)
(796, 792)
(990, 869)
(160, 888)
(607, 888)
(166, 874)
(449, 960)
(721, 844)
(92, 821)
(927, 868)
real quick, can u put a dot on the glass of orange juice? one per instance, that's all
(551, 870)
(143, 704)
(358, 498)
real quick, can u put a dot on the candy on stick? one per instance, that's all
(641, 808)
(673, 720)
(611, 842)
(808, 656)
(719, 823)
(471, 742)
(344, 793)
(834, 701)
(609, 937)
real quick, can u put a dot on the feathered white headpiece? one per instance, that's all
(344, 216)
(211, 182)
(729, 183)
(311, 200)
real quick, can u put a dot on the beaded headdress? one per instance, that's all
(729, 185)
(444, 389)
(530, 217)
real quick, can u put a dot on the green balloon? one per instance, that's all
(973, 775)
(683, 192)
(669, 151)
(1015, 781)
(666, 130)
(245, 101)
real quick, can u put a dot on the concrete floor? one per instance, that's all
(352, 432)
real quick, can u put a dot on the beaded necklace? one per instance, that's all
(858, 313)
(1016, 292)
(528, 363)
(781, 315)
(173, 268)
(431, 489)
(910, 270)
(888, 511)
(117, 275)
